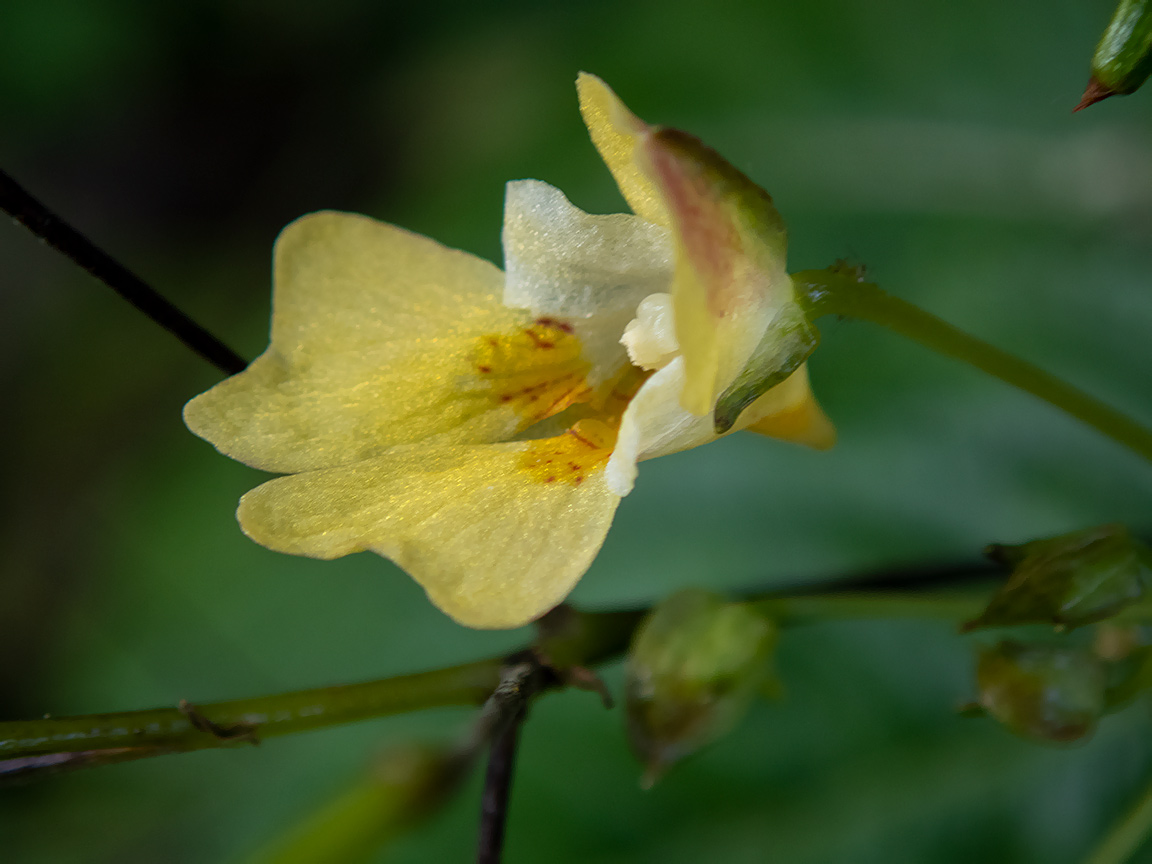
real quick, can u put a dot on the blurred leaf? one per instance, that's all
(405, 787)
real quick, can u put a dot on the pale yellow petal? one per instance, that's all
(492, 533)
(616, 132)
(375, 334)
(797, 417)
(588, 271)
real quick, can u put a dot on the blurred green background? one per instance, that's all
(933, 142)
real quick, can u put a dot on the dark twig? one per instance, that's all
(29, 212)
(494, 802)
(28, 768)
(506, 711)
(917, 577)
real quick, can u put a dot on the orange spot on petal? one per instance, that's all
(581, 450)
(538, 370)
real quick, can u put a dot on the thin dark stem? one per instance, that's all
(501, 719)
(33, 215)
(497, 788)
(15, 771)
(913, 577)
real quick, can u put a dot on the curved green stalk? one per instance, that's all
(248, 721)
(1126, 836)
(837, 292)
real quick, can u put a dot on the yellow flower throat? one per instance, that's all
(539, 371)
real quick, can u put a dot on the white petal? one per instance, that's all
(586, 270)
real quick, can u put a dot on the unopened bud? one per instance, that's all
(1123, 59)
(695, 664)
(1070, 580)
(1045, 692)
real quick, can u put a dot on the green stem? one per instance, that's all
(244, 721)
(838, 292)
(1126, 836)
(569, 638)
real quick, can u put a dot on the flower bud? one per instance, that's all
(1123, 59)
(1044, 692)
(1071, 580)
(694, 665)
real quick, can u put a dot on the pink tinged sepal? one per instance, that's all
(734, 303)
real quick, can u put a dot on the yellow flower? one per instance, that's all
(479, 428)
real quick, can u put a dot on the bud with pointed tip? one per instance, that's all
(1070, 580)
(1045, 692)
(1123, 59)
(694, 666)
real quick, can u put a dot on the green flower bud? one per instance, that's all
(694, 665)
(1123, 59)
(1070, 580)
(1044, 692)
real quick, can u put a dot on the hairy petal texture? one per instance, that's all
(617, 133)
(373, 344)
(586, 270)
(492, 542)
